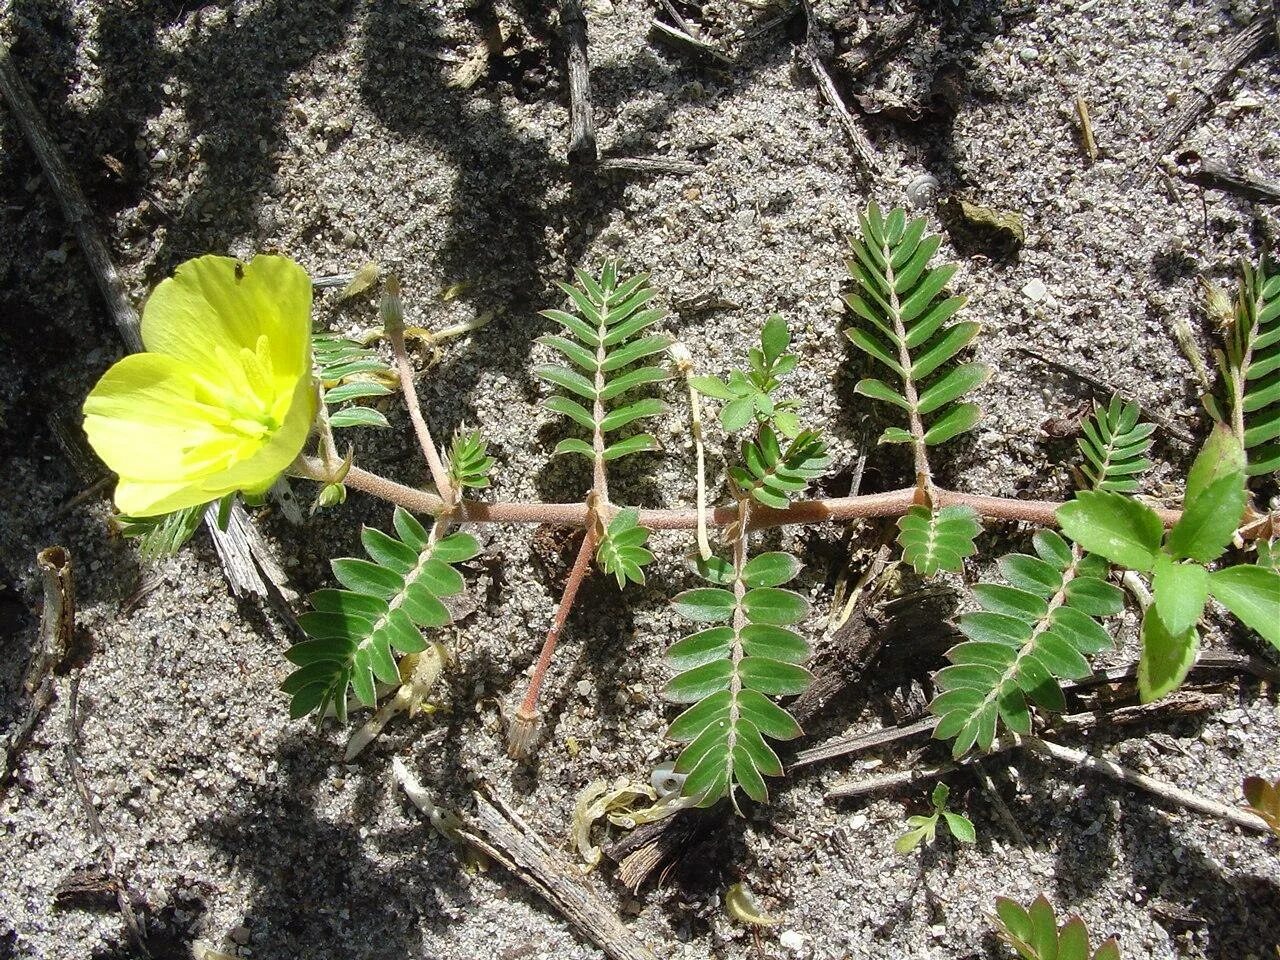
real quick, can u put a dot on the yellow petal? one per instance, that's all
(213, 307)
(145, 414)
(138, 498)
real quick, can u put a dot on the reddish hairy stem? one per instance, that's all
(526, 717)
(892, 503)
(393, 326)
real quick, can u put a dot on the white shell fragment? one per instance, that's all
(922, 191)
(665, 781)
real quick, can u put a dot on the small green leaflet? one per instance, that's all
(936, 541)
(925, 828)
(621, 551)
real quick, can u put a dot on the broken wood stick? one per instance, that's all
(582, 125)
(53, 646)
(245, 559)
(1215, 175)
(1167, 792)
(1211, 85)
(499, 832)
(1158, 788)
(1086, 129)
(858, 141)
(651, 165)
(1208, 663)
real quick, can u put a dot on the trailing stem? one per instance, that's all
(525, 723)
(393, 323)
(891, 503)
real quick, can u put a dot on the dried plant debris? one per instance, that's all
(978, 228)
(1263, 798)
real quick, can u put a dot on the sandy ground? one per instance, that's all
(328, 130)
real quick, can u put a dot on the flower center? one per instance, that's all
(245, 398)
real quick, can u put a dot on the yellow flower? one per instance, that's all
(222, 400)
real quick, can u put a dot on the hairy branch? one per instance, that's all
(393, 324)
(892, 503)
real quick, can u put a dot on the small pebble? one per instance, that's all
(791, 941)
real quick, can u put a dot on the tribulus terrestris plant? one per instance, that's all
(236, 392)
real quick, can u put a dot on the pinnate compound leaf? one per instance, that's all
(600, 340)
(354, 634)
(901, 321)
(621, 551)
(1115, 445)
(1030, 633)
(728, 673)
(1251, 366)
(469, 460)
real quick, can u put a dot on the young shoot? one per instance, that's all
(924, 829)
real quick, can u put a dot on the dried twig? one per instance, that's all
(890, 36)
(1215, 175)
(857, 139)
(582, 124)
(245, 560)
(848, 746)
(1212, 83)
(680, 39)
(1086, 129)
(1189, 702)
(1165, 791)
(75, 771)
(53, 646)
(651, 165)
(676, 17)
(1104, 392)
(992, 793)
(1075, 758)
(499, 832)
